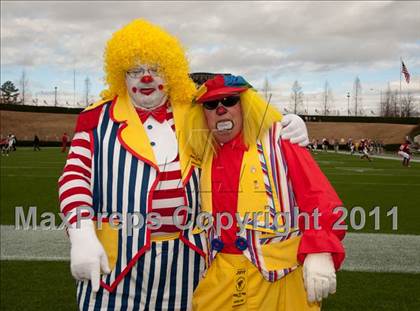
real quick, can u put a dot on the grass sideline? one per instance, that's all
(48, 286)
(29, 178)
(382, 182)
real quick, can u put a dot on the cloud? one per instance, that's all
(323, 32)
(255, 39)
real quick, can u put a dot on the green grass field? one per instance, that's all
(34, 286)
(29, 178)
(383, 183)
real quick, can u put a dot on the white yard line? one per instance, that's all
(375, 252)
(371, 252)
(30, 167)
(35, 175)
(33, 244)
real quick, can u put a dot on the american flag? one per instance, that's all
(405, 72)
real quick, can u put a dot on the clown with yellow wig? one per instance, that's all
(266, 256)
(128, 172)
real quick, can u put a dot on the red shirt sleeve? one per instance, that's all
(313, 190)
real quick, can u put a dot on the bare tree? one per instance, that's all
(357, 95)
(391, 107)
(386, 104)
(87, 90)
(23, 82)
(408, 107)
(74, 87)
(296, 96)
(266, 89)
(327, 98)
(394, 103)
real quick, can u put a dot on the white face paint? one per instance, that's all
(145, 87)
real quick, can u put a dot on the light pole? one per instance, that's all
(348, 103)
(55, 96)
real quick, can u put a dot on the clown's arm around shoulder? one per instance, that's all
(320, 249)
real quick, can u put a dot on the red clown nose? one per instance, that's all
(146, 79)
(221, 110)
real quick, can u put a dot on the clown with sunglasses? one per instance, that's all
(271, 260)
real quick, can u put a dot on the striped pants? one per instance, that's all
(164, 278)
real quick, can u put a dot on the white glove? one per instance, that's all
(294, 128)
(87, 255)
(319, 276)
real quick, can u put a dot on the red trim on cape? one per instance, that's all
(88, 120)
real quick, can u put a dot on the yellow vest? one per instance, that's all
(252, 194)
(273, 250)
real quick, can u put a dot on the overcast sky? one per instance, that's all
(282, 41)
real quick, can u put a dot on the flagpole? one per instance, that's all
(400, 82)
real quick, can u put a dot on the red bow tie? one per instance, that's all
(159, 114)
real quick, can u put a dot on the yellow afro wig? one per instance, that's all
(141, 42)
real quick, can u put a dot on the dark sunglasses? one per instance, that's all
(227, 102)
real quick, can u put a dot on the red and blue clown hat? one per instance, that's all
(221, 86)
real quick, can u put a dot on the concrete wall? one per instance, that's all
(48, 126)
(51, 126)
(388, 133)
